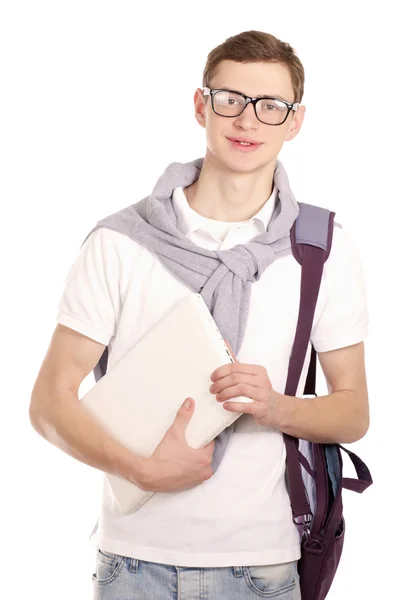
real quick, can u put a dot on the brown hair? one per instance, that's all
(257, 46)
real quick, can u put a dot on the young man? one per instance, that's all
(229, 533)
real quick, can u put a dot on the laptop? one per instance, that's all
(137, 400)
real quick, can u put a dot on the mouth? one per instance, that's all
(241, 143)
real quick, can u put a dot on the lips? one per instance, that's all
(244, 145)
(244, 140)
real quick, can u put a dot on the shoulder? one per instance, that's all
(116, 229)
(344, 262)
(312, 227)
(108, 241)
(343, 245)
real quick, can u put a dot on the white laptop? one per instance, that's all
(137, 400)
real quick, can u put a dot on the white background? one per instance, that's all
(96, 99)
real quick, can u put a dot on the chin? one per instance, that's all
(243, 164)
(227, 159)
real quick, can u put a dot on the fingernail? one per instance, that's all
(187, 403)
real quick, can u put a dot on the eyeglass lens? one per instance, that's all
(229, 104)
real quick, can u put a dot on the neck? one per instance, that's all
(224, 195)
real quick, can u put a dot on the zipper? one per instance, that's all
(320, 524)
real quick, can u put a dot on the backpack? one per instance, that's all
(314, 471)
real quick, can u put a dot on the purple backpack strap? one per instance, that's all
(323, 532)
(364, 478)
(311, 237)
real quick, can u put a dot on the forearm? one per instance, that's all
(62, 421)
(336, 418)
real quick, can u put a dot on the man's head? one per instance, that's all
(255, 64)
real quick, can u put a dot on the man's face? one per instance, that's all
(252, 79)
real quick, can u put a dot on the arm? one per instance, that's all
(89, 317)
(57, 415)
(340, 322)
(340, 417)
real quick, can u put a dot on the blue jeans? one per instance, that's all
(122, 578)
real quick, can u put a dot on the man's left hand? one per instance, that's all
(240, 379)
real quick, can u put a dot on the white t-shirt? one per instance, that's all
(117, 290)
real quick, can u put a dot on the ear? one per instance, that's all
(296, 123)
(200, 107)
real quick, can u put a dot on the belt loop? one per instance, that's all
(238, 571)
(133, 565)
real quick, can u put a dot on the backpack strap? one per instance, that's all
(311, 239)
(101, 368)
(312, 227)
(364, 479)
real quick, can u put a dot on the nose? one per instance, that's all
(248, 119)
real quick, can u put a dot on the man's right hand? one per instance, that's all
(175, 465)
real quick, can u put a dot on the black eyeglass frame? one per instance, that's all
(290, 106)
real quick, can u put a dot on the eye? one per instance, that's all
(268, 105)
(228, 99)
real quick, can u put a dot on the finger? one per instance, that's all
(234, 379)
(240, 407)
(236, 367)
(242, 389)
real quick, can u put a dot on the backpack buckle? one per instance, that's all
(306, 520)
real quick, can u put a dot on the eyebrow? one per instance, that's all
(276, 96)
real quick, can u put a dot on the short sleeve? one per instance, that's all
(90, 303)
(341, 317)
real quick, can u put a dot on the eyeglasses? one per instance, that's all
(268, 110)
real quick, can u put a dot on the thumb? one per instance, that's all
(184, 414)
